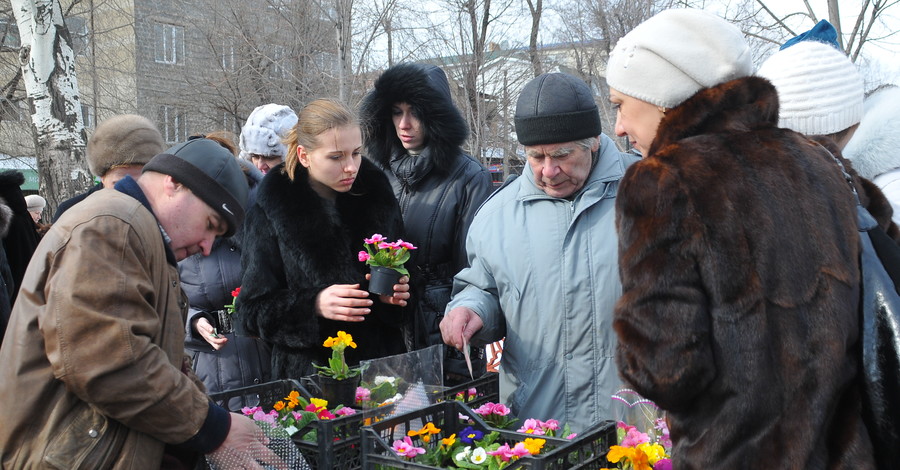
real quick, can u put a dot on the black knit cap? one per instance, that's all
(209, 171)
(555, 108)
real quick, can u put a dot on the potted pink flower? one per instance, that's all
(386, 261)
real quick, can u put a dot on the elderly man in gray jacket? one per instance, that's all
(543, 268)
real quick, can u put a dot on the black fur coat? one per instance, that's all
(294, 247)
(738, 256)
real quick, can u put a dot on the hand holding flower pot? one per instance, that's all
(386, 260)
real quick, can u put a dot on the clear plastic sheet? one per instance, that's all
(417, 378)
(280, 453)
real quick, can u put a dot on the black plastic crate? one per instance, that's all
(587, 451)
(377, 438)
(337, 441)
(487, 389)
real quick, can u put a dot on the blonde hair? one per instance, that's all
(315, 118)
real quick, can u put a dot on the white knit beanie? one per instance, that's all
(265, 128)
(820, 91)
(676, 53)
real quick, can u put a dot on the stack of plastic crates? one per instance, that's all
(337, 440)
(451, 417)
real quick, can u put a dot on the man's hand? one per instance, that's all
(245, 447)
(343, 302)
(459, 323)
(207, 332)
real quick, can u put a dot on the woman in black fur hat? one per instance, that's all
(302, 278)
(415, 133)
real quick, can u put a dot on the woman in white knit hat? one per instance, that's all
(738, 258)
(262, 134)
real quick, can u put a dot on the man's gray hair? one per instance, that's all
(588, 142)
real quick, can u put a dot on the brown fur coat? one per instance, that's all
(738, 256)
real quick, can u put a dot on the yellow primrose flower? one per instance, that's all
(425, 432)
(319, 403)
(448, 441)
(654, 452)
(534, 446)
(279, 405)
(347, 339)
(617, 453)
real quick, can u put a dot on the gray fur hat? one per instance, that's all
(126, 139)
(264, 130)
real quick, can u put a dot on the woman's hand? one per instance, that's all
(401, 292)
(343, 302)
(206, 330)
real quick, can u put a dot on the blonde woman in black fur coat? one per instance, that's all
(302, 278)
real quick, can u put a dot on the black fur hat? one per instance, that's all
(426, 89)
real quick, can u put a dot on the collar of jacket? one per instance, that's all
(602, 182)
(735, 106)
(129, 186)
(411, 169)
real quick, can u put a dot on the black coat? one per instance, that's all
(294, 247)
(439, 190)
(738, 252)
(22, 237)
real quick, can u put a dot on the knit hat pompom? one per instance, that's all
(554, 108)
(676, 53)
(126, 139)
(264, 130)
(820, 91)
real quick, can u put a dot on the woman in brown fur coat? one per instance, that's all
(738, 256)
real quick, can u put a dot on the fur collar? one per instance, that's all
(737, 106)
(875, 146)
(425, 89)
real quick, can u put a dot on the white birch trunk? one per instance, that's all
(48, 71)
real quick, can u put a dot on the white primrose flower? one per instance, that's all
(479, 456)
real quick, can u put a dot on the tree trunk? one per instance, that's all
(536, 7)
(48, 70)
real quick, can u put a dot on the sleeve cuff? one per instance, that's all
(213, 432)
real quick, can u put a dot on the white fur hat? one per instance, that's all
(265, 128)
(676, 53)
(820, 91)
(35, 203)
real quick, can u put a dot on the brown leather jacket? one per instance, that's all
(91, 368)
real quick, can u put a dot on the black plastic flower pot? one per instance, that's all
(382, 280)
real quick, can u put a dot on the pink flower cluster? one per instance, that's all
(506, 453)
(378, 241)
(363, 393)
(633, 437)
(538, 427)
(489, 408)
(405, 448)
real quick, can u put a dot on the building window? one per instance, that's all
(78, 34)
(168, 42)
(172, 123)
(9, 32)
(228, 54)
(87, 115)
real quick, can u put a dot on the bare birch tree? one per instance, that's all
(48, 71)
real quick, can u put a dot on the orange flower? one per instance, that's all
(279, 405)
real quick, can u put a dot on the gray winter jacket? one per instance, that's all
(208, 282)
(543, 272)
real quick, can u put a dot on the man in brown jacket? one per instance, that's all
(91, 369)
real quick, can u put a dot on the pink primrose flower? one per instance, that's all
(520, 450)
(473, 392)
(550, 425)
(259, 415)
(663, 464)
(325, 414)
(363, 256)
(407, 245)
(376, 238)
(634, 437)
(405, 448)
(504, 452)
(532, 426)
(484, 409)
(345, 411)
(248, 411)
(572, 436)
(363, 394)
(500, 409)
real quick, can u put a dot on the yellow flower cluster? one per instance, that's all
(425, 432)
(343, 340)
